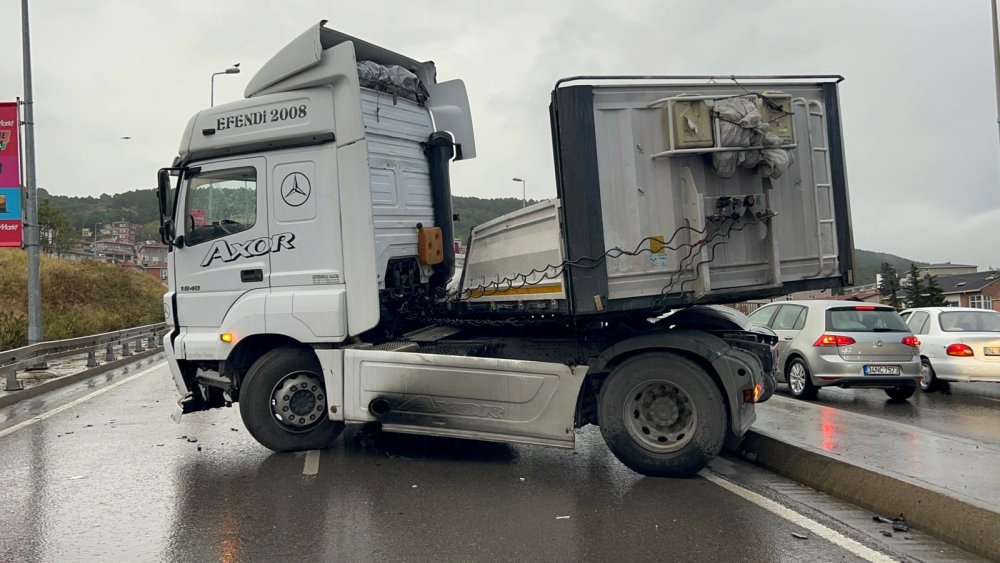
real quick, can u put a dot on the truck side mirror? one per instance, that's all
(163, 189)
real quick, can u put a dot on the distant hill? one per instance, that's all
(136, 206)
(139, 206)
(869, 263)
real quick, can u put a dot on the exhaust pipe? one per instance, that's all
(379, 407)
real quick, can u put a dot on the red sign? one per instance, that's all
(10, 233)
(10, 176)
(10, 161)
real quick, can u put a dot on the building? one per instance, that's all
(114, 252)
(945, 269)
(159, 273)
(151, 254)
(123, 231)
(978, 289)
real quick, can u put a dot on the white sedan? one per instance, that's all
(956, 344)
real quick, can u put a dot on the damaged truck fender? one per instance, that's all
(731, 369)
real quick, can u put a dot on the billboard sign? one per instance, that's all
(10, 176)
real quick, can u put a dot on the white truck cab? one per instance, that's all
(311, 263)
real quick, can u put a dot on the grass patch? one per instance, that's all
(78, 298)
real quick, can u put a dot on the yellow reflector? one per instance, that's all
(226, 336)
(753, 395)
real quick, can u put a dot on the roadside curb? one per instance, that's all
(60, 382)
(956, 521)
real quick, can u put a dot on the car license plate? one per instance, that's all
(882, 370)
(991, 351)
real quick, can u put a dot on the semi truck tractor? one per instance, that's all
(312, 266)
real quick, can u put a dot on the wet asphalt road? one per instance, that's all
(109, 477)
(967, 410)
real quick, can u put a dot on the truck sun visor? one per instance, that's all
(392, 79)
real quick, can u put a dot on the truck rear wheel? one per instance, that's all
(662, 415)
(283, 402)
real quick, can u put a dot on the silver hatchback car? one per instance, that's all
(842, 343)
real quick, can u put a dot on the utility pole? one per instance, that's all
(31, 211)
(996, 58)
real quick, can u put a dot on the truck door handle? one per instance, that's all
(250, 276)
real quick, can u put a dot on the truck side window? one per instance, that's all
(220, 203)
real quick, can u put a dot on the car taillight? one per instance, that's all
(961, 350)
(911, 341)
(834, 340)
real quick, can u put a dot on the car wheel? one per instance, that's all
(283, 402)
(928, 381)
(662, 415)
(800, 381)
(900, 393)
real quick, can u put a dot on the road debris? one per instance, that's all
(77, 477)
(799, 536)
(887, 533)
(900, 525)
(881, 519)
(192, 439)
(562, 517)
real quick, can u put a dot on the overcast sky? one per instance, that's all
(918, 104)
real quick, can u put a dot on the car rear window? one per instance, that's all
(970, 321)
(864, 319)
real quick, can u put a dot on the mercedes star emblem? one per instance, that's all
(295, 189)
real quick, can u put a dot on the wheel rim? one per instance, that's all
(298, 401)
(797, 378)
(660, 416)
(925, 375)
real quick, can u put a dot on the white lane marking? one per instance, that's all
(311, 466)
(72, 404)
(813, 526)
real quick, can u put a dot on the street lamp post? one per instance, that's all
(524, 199)
(235, 69)
(996, 56)
(35, 333)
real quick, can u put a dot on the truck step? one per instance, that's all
(432, 333)
(394, 346)
(399, 346)
(454, 349)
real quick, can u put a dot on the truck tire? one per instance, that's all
(283, 402)
(662, 415)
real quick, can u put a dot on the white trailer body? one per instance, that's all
(308, 282)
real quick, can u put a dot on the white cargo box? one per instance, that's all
(647, 217)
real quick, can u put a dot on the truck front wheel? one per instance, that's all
(662, 415)
(283, 402)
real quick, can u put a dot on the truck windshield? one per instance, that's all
(220, 203)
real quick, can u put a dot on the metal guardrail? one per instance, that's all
(36, 356)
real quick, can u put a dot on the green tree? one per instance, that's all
(914, 290)
(57, 232)
(934, 296)
(890, 286)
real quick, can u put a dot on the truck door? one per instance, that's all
(226, 243)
